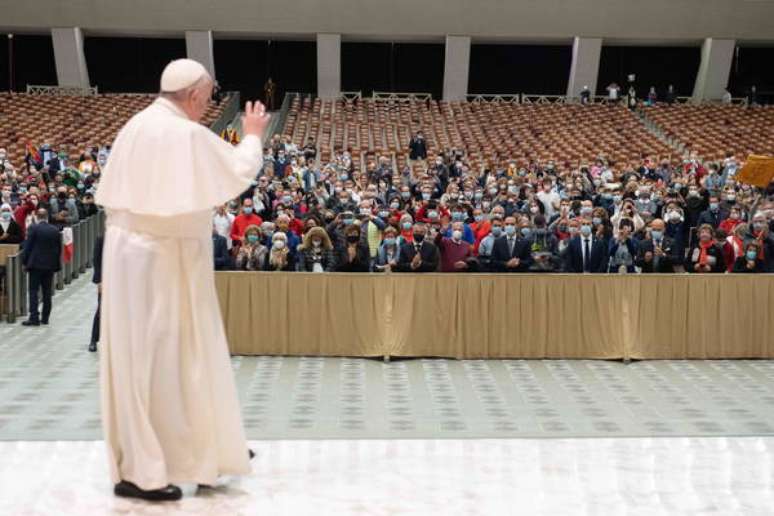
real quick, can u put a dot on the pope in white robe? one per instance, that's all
(170, 410)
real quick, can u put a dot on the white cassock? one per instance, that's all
(170, 410)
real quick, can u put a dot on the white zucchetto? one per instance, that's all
(180, 74)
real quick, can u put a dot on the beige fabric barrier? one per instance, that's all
(498, 316)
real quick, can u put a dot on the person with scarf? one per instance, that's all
(706, 255)
(733, 246)
(280, 258)
(316, 252)
(750, 262)
(10, 232)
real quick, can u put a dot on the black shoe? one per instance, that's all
(250, 453)
(44, 322)
(92, 347)
(166, 494)
(29, 322)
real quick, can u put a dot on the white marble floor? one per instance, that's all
(605, 476)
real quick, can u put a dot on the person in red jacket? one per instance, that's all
(24, 210)
(242, 221)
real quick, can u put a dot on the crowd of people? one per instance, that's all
(652, 215)
(48, 180)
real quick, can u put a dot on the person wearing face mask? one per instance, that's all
(420, 255)
(486, 246)
(406, 230)
(252, 253)
(481, 226)
(705, 255)
(418, 147)
(750, 262)
(389, 251)
(456, 253)
(734, 245)
(246, 218)
(25, 212)
(280, 258)
(10, 232)
(586, 251)
(64, 211)
(371, 228)
(316, 252)
(622, 249)
(543, 245)
(656, 252)
(733, 220)
(352, 255)
(87, 208)
(222, 221)
(511, 252)
(713, 215)
(758, 232)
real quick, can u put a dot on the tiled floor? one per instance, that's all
(605, 477)
(49, 391)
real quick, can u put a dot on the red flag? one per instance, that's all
(67, 245)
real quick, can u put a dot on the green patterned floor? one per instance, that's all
(48, 391)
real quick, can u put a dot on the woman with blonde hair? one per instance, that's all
(252, 253)
(316, 252)
(280, 258)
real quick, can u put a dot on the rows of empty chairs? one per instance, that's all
(712, 130)
(69, 122)
(488, 132)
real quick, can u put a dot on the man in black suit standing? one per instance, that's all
(97, 280)
(418, 147)
(421, 255)
(41, 258)
(586, 252)
(511, 253)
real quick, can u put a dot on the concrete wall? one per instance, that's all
(627, 20)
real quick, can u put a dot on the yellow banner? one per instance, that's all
(757, 171)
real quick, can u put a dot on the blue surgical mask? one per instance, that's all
(497, 231)
(425, 196)
(458, 216)
(389, 241)
(432, 214)
(252, 238)
(348, 221)
(405, 195)
(384, 214)
(617, 198)
(657, 235)
(247, 210)
(714, 206)
(6, 215)
(585, 230)
(510, 230)
(478, 218)
(752, 255)
(526, 232)
(596, 221)
(407, 225)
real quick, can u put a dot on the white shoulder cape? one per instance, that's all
(164, 164)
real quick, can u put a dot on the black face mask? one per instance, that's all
(352, 239)
(62, 196)
(418, 237)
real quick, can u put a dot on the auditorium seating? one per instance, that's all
(488, 132)
(69, 122)
(712, 129)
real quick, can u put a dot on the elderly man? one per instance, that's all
(169, 406)
(456, 253)
(657, 252)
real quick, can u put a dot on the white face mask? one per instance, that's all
(279, 244)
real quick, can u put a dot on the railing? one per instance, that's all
(277, 124)
(229, 112)
(497, 98)
(401, 96)
(61, 91)
(85, 233)
(351, 95)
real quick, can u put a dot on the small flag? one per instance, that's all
(67, 245)
(33, 153)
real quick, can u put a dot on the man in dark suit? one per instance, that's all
(97, 280)
(41, 258)
(586, 252)
(418, 147)
(511, 253)
(421, 255)
(220, 249)
(657, 253)
(713, 215)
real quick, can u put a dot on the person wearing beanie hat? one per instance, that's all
(170, 411)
